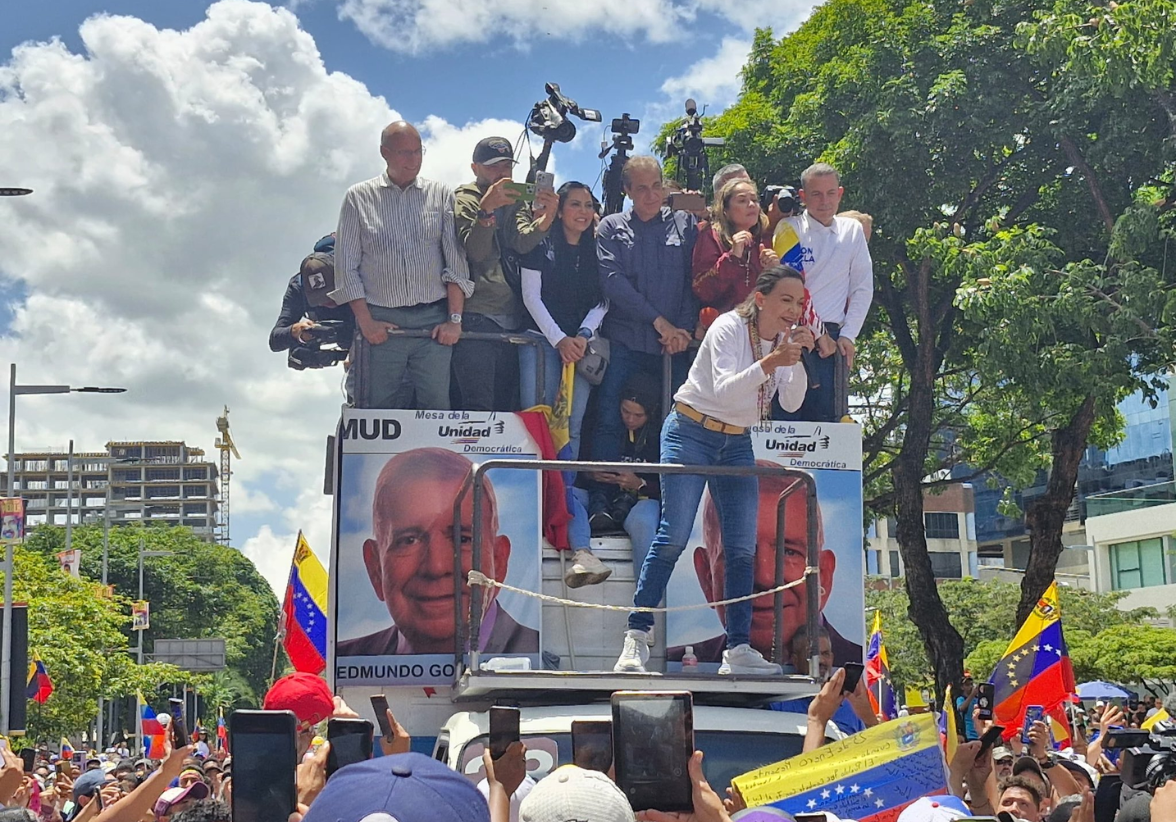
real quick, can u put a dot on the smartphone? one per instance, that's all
(351, 742)
(990, 738)
(79, 759)
(544, 181)
(504, 729)
(592, 744)
(1033, 713)
(985, 693)
(526, 191)
(59, 766)
(265, 760)
(653, 740)
(29, 757)
(687, 201)
(853, 675)
(1118, 738)
(380, 706)
(179, 729)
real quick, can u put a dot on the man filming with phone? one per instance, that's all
(496, 224)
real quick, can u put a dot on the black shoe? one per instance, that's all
(602, 523)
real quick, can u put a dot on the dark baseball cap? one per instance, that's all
(493, 150)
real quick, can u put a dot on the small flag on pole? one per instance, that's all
(878, 683)
(304, 613)
(40, 686)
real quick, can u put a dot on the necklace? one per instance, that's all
(767, 389)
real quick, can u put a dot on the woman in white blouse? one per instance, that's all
(749, 355)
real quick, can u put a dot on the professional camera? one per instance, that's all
(623, 129)
(785, 197)
(688, 143)
(549, 118)
(315, 353)
(1149, 758)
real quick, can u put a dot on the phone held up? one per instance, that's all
(380, 707)
(853, 675)
(351, 742)
(1033, 713)
(179, 729)
(504, 729)
(265, 762)
(592, 744)
(985, 694)
(653, 740)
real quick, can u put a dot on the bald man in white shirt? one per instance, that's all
(838, 273)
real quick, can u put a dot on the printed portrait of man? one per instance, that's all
(410, 560)
(708, 565)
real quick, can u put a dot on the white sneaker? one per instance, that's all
(743, 659)
(586, 569)
(635, 653)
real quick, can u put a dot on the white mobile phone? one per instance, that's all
(544, 180)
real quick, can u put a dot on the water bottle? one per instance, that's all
(689, 661)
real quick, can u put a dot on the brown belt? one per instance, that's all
(709, 423)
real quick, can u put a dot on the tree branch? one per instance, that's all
(1079, 162)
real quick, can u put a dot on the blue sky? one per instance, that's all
(186, 155)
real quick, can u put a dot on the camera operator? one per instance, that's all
(838, 272)
(306, 305)
(495, 226)
(779, 202)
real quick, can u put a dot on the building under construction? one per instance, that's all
(154, 482)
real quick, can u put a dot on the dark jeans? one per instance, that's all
(818, 402)
(623, 363)
(485, 374)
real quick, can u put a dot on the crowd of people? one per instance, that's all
(1032, 781)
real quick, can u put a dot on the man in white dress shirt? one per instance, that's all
(838, 273)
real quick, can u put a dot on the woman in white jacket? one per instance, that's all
(749, 356)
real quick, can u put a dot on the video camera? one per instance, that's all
(314, 353)
(1149, 757)
(549, 118)
(785, 197)
(688, 143)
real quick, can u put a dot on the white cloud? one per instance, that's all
(272, 551)
(713, 81)
(180, 177)
(414, 26)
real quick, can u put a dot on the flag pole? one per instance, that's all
(281, 633)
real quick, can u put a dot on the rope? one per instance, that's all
(478, 578)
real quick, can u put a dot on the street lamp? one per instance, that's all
(15, 390)
(139, 705)
(12, 191)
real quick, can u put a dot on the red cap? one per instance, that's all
(307, 695)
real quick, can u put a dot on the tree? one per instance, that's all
(80, 636)
(985, 612)
(979, 167)
(201, 590)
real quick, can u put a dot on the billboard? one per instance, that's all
(392, 560)
(831, 454)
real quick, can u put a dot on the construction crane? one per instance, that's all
(228, 450)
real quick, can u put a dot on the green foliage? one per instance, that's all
(81, 637)
(984, 614)
(202, 590)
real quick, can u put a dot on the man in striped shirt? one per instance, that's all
(398, 264)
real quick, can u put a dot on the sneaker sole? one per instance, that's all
(621, 669)
(725, 671)
(579, 580)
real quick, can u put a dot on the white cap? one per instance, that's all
(935, 809)
(575, 793)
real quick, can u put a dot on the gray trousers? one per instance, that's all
(404, 367)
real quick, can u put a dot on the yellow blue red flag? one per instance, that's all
(1035, 670)
(869, 777)
(39, 686)
(304, 615)
(878, 673)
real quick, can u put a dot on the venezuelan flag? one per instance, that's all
(1035, 670)
(153, 732)
(40, 686)
(67, 750)
(304, 614)
(878, 673)
(949, 729)
(222, 733)
(869, 777)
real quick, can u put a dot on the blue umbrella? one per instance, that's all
(1101, 690)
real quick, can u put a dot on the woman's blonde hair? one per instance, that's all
(722, 222)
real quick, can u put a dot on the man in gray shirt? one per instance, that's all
(398, 264)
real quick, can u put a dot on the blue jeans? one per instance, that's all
(641, 526)
(552, 373)
(579, 534)
(686, 442)
(623, 362)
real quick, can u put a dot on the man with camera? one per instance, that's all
(400, 266)
(645, 253)
(831, 251)
(495, 225)
(309, 318)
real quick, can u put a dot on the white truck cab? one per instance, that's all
(733, 740)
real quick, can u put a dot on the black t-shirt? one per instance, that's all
(571, 279)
